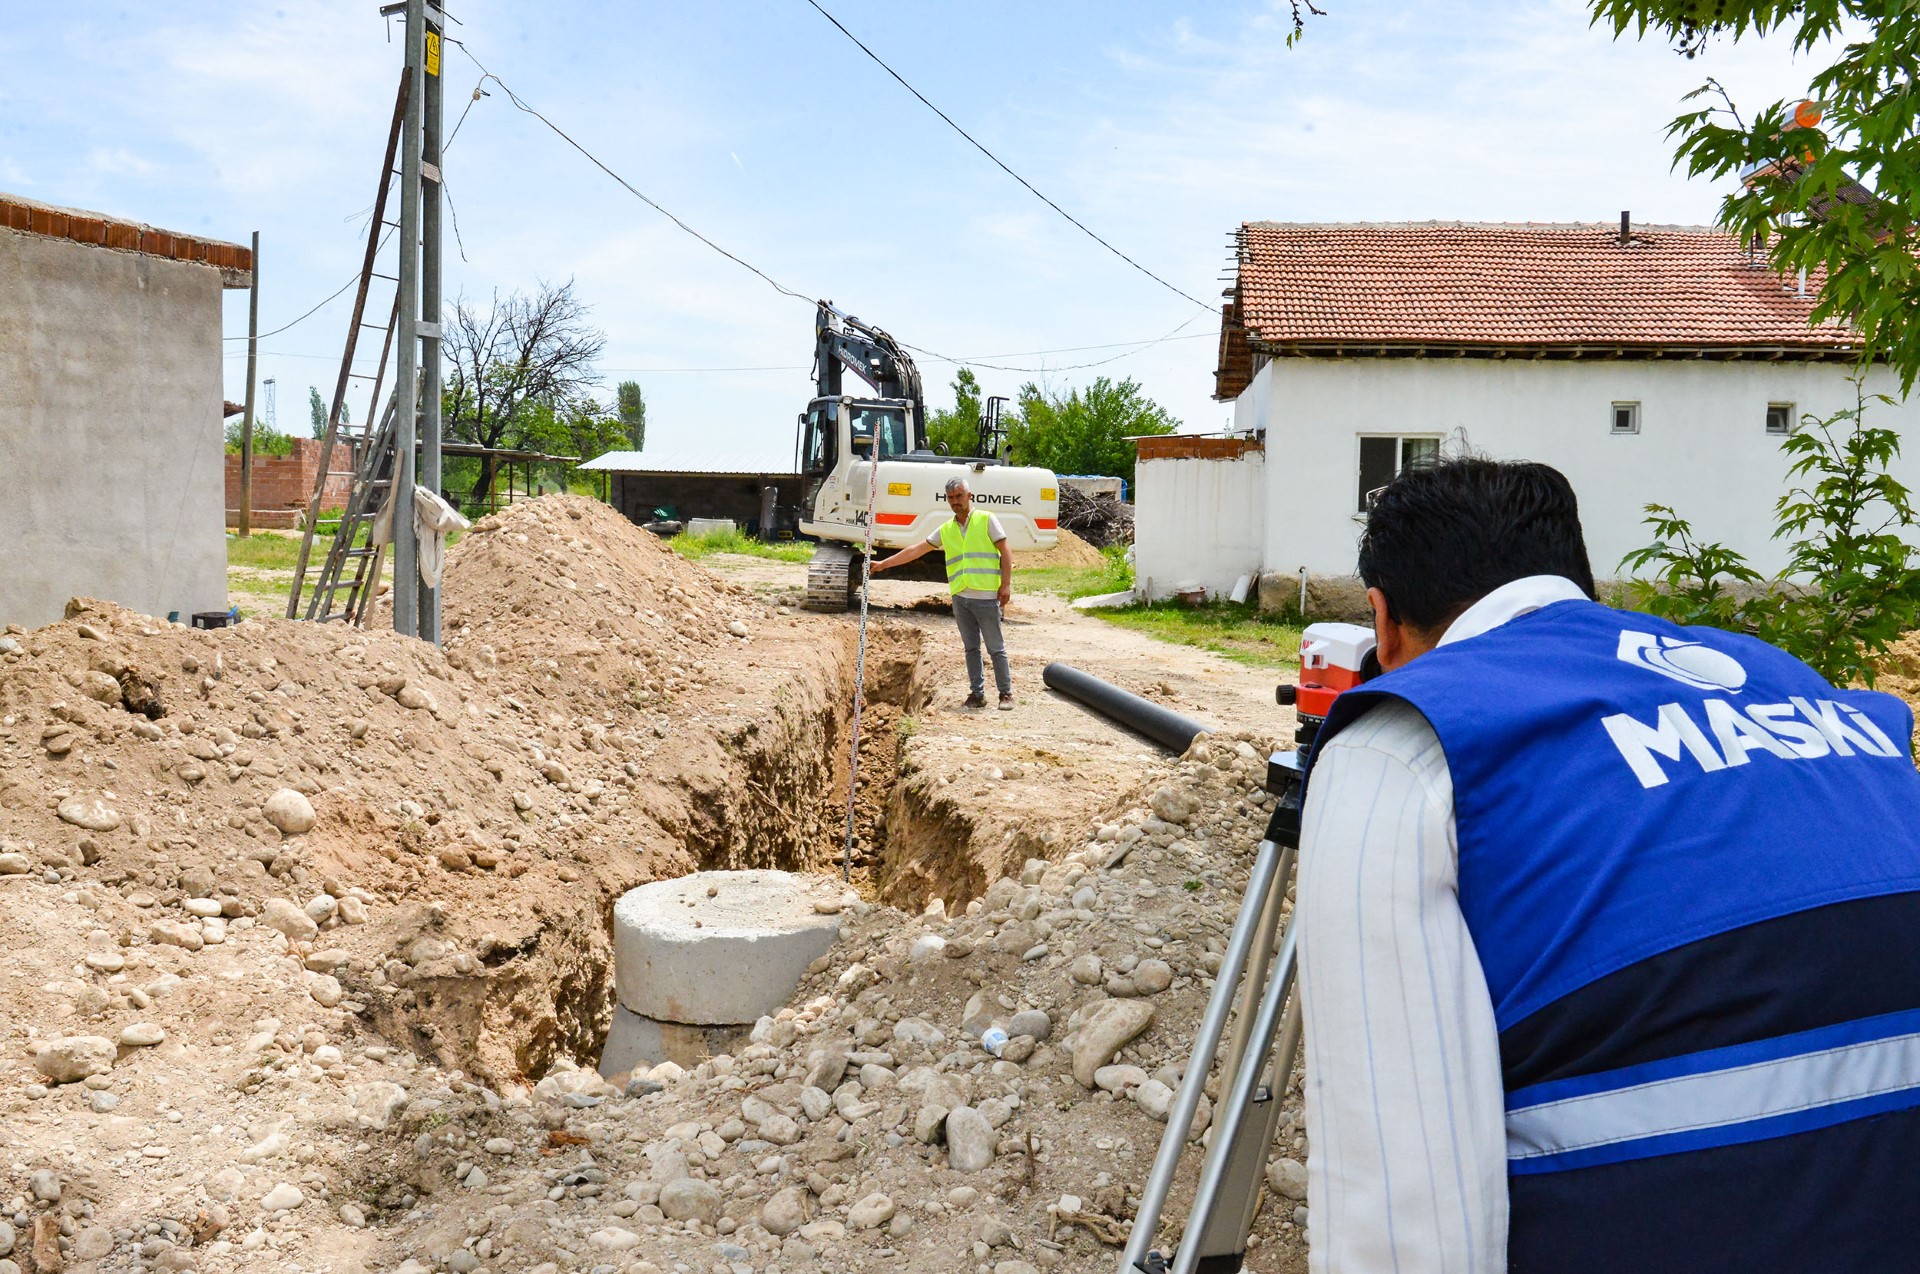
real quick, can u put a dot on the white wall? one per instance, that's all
(1702, 446)
(1198, 521)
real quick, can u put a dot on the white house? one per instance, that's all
(1660, 364)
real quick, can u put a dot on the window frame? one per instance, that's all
(1632, 407)
(1791, 413)
(1400, 460)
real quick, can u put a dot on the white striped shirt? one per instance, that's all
(1405, 1105)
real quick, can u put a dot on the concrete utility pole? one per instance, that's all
(246, 421)
(416, 608)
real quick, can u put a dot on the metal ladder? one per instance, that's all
(350, 567)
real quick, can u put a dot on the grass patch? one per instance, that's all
(699, 546)
(270, 551)
(1113, 575)
(1238, 631)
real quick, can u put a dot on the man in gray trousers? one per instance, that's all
(980, 576)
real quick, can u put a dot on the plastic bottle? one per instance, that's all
(994, 1039)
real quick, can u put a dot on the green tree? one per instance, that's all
(318, 410)
(631, 406)
(1850, 586)
(1831, 189)
(958, 431)
(525, 356)
(1085, 431)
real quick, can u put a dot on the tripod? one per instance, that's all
(1258, 970)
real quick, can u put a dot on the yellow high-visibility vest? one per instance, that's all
(973, 559)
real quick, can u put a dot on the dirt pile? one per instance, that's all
(296, 914)
(1070, 550)
(865, 1128)
(1900, 669)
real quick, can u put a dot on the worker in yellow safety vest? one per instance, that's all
(980, 576)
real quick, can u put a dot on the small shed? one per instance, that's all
(760, 491)
(110, 410)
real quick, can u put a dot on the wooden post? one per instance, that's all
(246, 421)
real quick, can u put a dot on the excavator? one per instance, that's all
(846, 442)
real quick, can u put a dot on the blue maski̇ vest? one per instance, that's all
(1689, 866)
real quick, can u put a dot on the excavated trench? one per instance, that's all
(770, 792)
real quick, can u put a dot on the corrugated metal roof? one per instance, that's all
(688, 460)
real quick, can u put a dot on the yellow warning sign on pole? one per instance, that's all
(433, 53)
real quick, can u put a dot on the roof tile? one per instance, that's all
(1536, 286)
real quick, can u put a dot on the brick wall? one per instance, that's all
(286, 483)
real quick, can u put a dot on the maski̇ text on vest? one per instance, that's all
(1798, 730)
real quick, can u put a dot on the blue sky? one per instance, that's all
(1160, 125)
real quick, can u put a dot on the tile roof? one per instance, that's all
(29, 216)
(1534, 287)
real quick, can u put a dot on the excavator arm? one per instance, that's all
(842, 342)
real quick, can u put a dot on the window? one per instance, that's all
(1626, 418)
(1382, 459)
(1779, 418)
(889, 424)
(820, 438)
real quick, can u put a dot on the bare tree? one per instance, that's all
(525, 352)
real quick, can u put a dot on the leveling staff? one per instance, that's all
(1610, 933)
(980, 577)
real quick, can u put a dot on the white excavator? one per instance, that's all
(846, 442)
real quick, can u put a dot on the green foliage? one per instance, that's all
(1085, 431)
(1850, 586)
(699, 546)
(631, 406)
(267, 441)
(1240, 632)
(318, 411)
(1113, 575)
(958, 431)
(1802, 206)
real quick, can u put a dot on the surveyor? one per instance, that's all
(980, 575)
(1610, 938)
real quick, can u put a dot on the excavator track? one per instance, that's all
(833, 578)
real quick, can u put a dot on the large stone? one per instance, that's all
(1174, 804)
(90, 812)
(76, 1057)
(278, 913)
(690, 1199)
(289, 811)
(969, 1140)
(872, 1212)
(785, 1212)
(718, 947)
(1288, 1178)
(284, 1197)
(1106, 1031)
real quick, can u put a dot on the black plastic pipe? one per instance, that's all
(1167, 728)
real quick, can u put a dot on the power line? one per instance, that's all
(1002, 165)
(485, 74)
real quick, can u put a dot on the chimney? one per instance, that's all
(1626, 227)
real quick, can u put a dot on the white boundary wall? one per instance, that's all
(1702, 446)
(1198, 520)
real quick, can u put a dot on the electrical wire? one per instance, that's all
(775, 284)
(317, 308)
(1001, 164)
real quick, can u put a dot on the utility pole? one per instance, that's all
(430, 295)
(417, 395)
(246, 421)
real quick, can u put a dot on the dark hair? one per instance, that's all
(1443, 535)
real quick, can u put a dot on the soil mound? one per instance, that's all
(1070, 551)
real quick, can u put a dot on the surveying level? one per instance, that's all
(1257, 969)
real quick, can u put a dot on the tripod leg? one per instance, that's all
(1262, 884)
(1232, 1119)
(1223, 1236)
